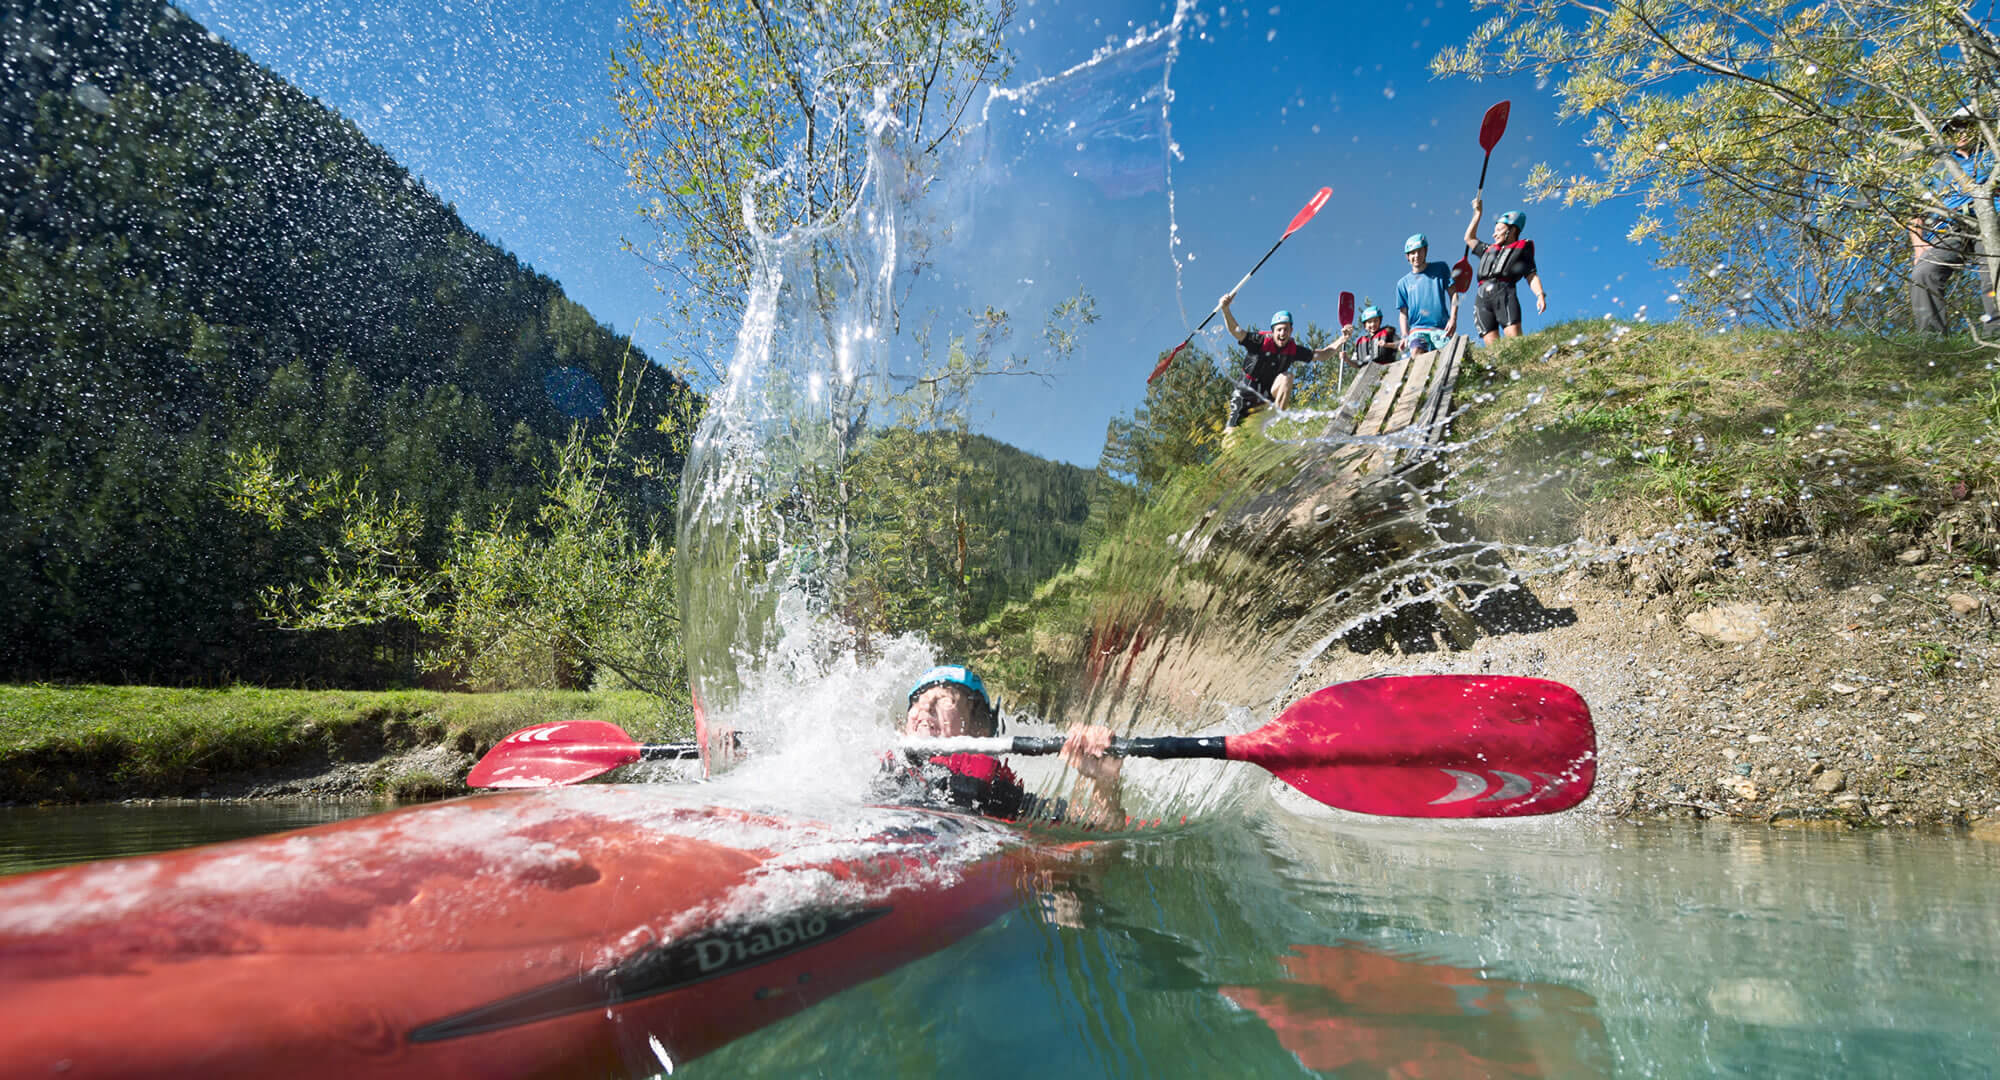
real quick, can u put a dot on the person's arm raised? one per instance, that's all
(1228, 316)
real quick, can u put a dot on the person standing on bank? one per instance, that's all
(1503, 263)
(1267, 372)
(1425, 316)
(1942, 243)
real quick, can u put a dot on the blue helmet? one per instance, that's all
(1416, 242)
(956, 675)
(1514, 218)
(1281, 316)
(1370, 312)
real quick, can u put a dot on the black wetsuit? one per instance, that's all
(1501, 266)
(1261, 369)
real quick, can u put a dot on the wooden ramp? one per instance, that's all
(1405, 404)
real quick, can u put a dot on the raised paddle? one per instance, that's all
(1299, 219)
(1490, 130)
(1441, 746)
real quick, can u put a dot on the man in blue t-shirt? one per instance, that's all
(1424, 312)
(1943, 243)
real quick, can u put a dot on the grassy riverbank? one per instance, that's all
(1782, 552)
(71, 743)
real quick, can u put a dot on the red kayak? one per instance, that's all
(603, 930)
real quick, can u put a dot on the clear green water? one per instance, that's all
(1288, 946)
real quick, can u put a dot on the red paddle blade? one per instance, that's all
(1456, 746)
(1347, 309)
(1306, 212)
(1495, 125)
(550, 755)
(1461, 276)
(1165, 362)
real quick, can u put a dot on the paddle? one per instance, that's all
(1441, 746)
(566, 752)
(1490, 130)
(1346, 320)
(1299, 219)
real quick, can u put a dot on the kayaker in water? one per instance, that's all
(1424, 313)
(950, 701)
(1504, 262)
(1267, 371)
(1374, 344)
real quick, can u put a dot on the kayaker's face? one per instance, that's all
(1417, 258)
(1504, 234)
(944, 711)
(1371, 323)
(1282, 334)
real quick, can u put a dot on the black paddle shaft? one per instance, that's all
(1168, 746)
(669, 752)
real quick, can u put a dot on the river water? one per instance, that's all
(1289, 941)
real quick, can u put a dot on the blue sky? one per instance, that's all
(492, 102)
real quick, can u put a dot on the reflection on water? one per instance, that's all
(1328, 944)
(35, 837)
(1347, 1006)
(1391, 949)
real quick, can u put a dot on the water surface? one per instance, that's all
(1299, 943)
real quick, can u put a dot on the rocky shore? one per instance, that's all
(1846, 681)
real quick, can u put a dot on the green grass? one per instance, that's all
(1768, 433)
(65, 742)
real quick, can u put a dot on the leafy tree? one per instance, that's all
(1178, 425)
(728, 107)
(579, 586)
(1818, 125)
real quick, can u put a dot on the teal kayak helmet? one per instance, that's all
(1416, 242)
(1515, 218)
(1281, 316)
(1370, 312)
(961, 676)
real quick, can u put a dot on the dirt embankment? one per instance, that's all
(1804, 680)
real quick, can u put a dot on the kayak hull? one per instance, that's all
(607, 930)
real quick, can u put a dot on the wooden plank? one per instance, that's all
(1415, 390)
(1385, 398)
(1353, 400)
(1437, 407)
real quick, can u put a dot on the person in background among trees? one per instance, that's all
(1267, 372)
(949, 701)
(1942, 243)
(1425, 316)
(1504, 262)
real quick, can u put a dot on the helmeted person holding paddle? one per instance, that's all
(1267, 371)
(1374, 344)
(1425, 315)
(1502, 263)
(949, 701)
